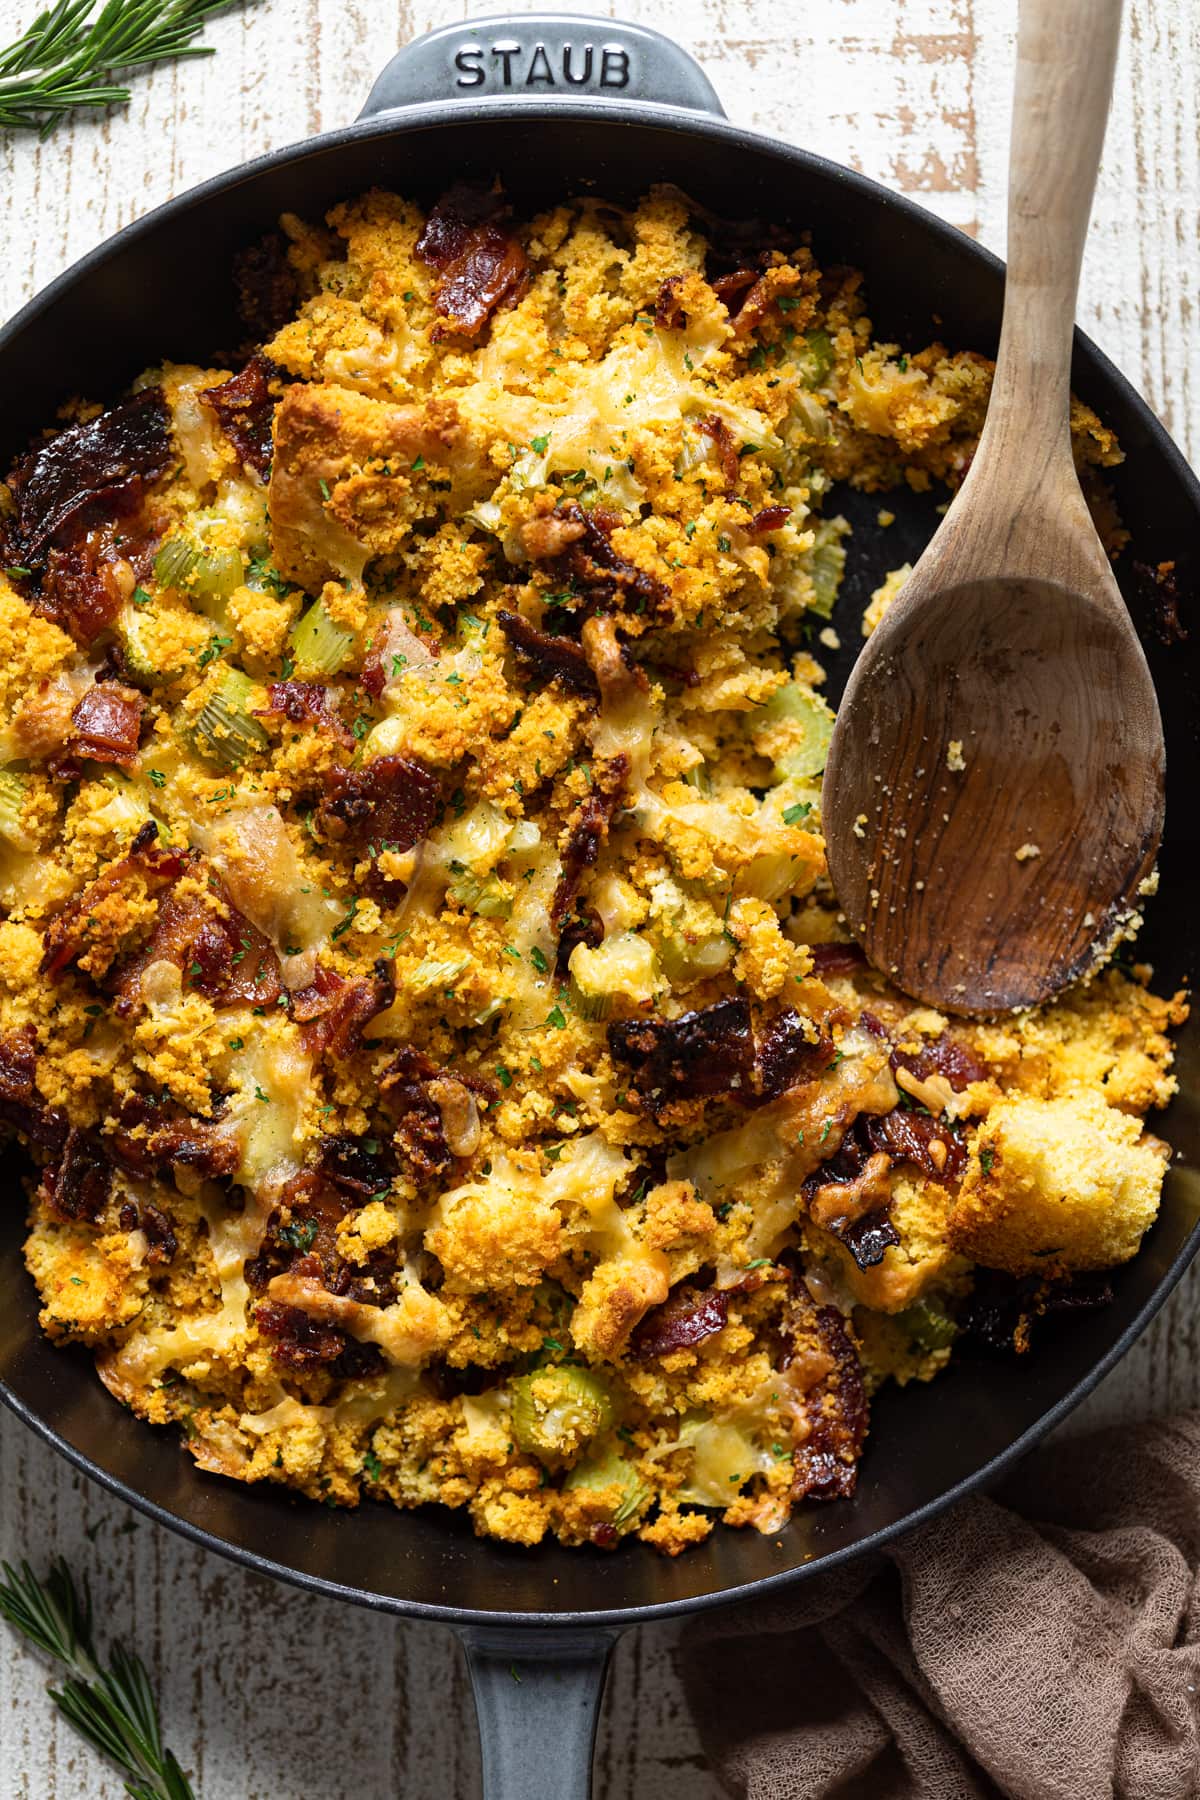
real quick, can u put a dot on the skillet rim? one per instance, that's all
(402, 121)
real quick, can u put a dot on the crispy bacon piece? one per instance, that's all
(669, 314)
(228, 960)
(731, 287)
(390, 804)
(787, 1056)
(850, 1194)
(298, 1341)
(420, 1133)
(153, 1135)
(267, 290)
(945, 1056)
(108, 724)
(837, 959)
(482, 265)
(867, 1239)
(703, 1053)
(101, 465)
(155, 1226)
(825, 1464)
(79, 1187)
(355, 1165)
(303, 1226)
(335, 1012)
(21, 1106)
(727, 454)
(769, 519)
(80, 590)
(588, 830)
(64, 936)
(684, 1320)
(245, 407)
(917, 1138)
(307, 703)
(594, 564)
(553, 658)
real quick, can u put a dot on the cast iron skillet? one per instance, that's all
(475, 101)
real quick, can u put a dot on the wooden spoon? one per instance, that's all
(993, 798)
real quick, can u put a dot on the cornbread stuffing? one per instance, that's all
(421, 993)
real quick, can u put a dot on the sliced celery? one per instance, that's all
(558, 1409)
(827, 564)
(226, 730)
(608, 1468)
(486, 895)
(217, 573)
(928, 1326)
(684, 962)
(319, 647)
(588, 1006)
(431, 975)
(811, 725)
(136, 630)
(175, 563)
(13, 791)
(623, 964)
(815, 360)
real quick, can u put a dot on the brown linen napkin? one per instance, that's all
(1042, 1645)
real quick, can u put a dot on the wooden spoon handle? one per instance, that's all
(1066, 52)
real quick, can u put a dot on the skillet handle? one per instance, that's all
(544, 57)
(537, 1695)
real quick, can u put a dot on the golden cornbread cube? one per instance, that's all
(1056, 1185)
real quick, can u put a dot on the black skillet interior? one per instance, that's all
(167, 292)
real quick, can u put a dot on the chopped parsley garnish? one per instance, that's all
(300, 1234)
(139, 596)
(792, 815)
(538, 959)
(370, 1462)
(419, 463)
(157, 777)
(260, 1095)
(324, 487)
(557, 1018)
(216, 646)
(540, 444)
(986, 1159)
(503, 1075)
(343, 925)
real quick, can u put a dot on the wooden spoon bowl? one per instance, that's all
(991, 835)
(993, 796)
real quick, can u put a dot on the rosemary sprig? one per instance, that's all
(69, 59)
(112, 1708)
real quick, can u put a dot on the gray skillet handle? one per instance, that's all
(537, 1694)
(542, 56)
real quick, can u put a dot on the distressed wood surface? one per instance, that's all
(914, 93)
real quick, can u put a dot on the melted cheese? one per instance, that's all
(250, 847)
(369, 1402)
(648, 381)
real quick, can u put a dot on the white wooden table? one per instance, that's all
(913, 92)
